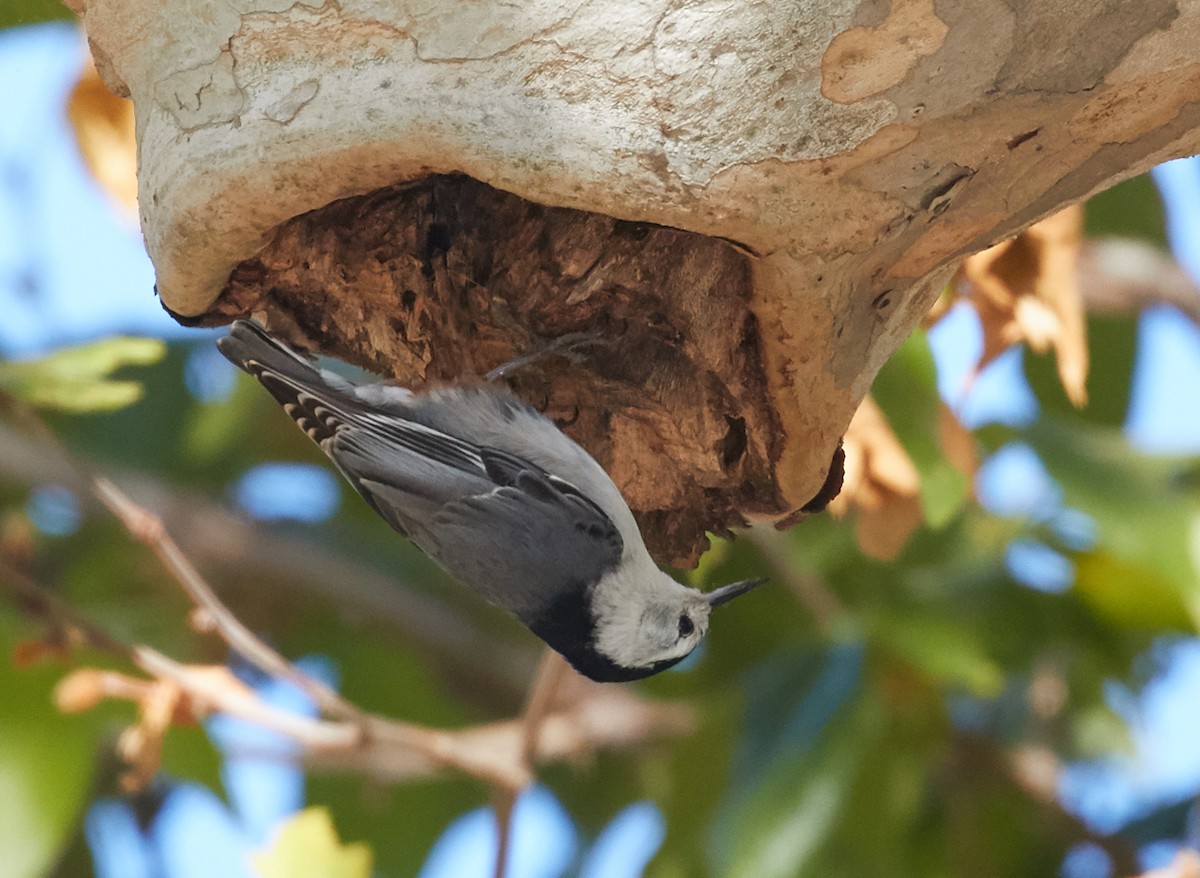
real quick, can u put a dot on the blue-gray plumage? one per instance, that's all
(504, 501)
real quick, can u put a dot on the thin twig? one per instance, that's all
(148, 529)
(504, 803)
(53, 609)
(495, 753)
(211, 695)
(367, 735)
(500, 754)
(542, 694)
(822, 604)
(491, 670)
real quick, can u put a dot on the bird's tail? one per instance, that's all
(252, 349)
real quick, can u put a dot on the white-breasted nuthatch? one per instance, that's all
(504, 501)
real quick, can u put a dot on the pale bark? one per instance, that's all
(827, 164)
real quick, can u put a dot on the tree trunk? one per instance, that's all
(746, 206)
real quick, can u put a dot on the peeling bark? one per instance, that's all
(751, 204)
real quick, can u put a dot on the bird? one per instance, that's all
(504, 501)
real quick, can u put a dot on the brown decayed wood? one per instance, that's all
(444, 279)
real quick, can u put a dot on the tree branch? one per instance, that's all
(146, 528)
(482, 665)
(542, 695)
(1126, 275)
(500, 754)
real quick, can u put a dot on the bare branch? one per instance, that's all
(1124, 275)
(504, 803)
(499, 754)
(808, 588)
(210, 694)
(148, 529)
(542, 696)
(487, 668)
(596, 717)
(54, 611)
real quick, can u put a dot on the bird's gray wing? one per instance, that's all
(425, 466)
(527, 544)
(503, 526)
(406, 475)
(498, 523)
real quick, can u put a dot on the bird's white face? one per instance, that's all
(648, 619)
(672, 629)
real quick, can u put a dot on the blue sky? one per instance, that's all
(69, 268)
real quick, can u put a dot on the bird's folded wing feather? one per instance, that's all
(497, 522)
(525, 545)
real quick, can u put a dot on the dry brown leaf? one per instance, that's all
(104, 129)
(80, 690)
(27, 653)
(882, 533)
(1027, 289)
(958, 443)
(18, 544)
(160, 705)
(140, 745)
(881, 487)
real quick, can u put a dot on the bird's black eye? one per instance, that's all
(686, 626)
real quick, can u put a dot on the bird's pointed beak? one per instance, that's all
(726, 593)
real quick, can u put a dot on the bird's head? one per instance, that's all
(639, 626)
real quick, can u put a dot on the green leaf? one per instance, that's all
(45, 764)
(21, 12)
(906, 390)
(944, 649)
(307, 846)
(77, 379)
(780, 828)
(1098, 731)
(1132, 595)
(215, 428)
(790, 698)
(1132, 208)
(1141, 573)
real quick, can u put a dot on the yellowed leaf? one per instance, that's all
(104, 129)
(307, 846)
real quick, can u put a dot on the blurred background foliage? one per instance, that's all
(980, 667)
